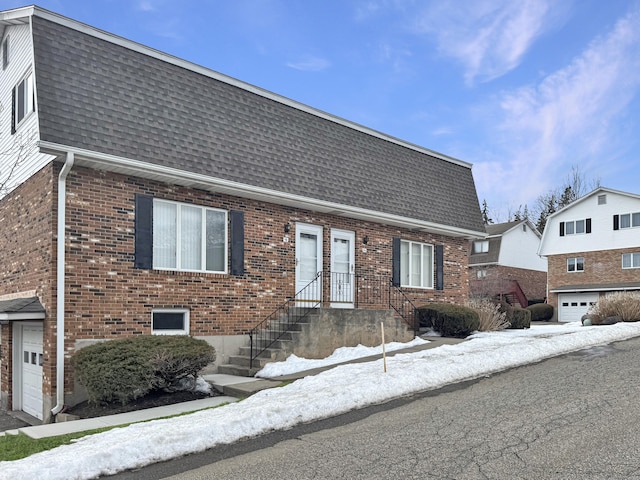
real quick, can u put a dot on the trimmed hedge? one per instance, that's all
(541, 312)
(125, 369)
(450, 320)
(519, 318)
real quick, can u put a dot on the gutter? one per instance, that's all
(60, 297)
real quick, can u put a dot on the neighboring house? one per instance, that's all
(155, 196)
(593, 247)
(507, 264)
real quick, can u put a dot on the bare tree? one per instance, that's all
(14, 157)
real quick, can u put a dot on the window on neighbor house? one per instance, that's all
(575, 264)
(481, 246)
(22, 100)
(481, 273)
(170, 322)
(416, 264)
(189, 237)
(5, 53)
(575, 227)
(631, 260)
(630, 220)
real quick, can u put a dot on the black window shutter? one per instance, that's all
(439, 267)
(236, 219)
(13, 111)
(143, 257)
(562, 229)
(588, 225)
(616, 222)
(395, 262)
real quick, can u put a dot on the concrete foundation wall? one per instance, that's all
(336, 328)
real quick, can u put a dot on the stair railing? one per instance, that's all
(403, 306)
(292, 311)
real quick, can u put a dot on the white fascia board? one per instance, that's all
(165, 57)
(22, 316)
(591, 289)
(102, 161)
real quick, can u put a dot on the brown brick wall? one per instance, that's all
(601, 267)
(106, 297)
(27, 260)
(532, 282)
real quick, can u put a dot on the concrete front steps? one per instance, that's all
(279, 350)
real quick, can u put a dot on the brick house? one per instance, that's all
(507, 264)
(150, 195)
(593, 247)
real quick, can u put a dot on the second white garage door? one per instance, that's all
(572, 306)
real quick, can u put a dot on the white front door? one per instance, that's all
(342, 268)
(31, 365)
(308, 263)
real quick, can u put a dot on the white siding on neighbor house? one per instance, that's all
(519, 248)
(22, 144)
(602, 236)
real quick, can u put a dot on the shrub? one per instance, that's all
(519, 318)
(490, 316)
(450, 320)
(541, 312)
(125, 369)
(625, 305)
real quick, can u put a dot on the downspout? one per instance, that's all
(62, 196)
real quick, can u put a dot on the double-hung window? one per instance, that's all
(189, 237)
(631, 260)
(416, 264)
(575, 264)
(22, 100)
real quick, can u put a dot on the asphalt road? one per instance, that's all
(570, 417)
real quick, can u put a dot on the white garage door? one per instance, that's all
(32, 370)
(572, 306)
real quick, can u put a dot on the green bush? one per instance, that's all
(125, 369)
(450, 320)
(519, 318)
(541, 312)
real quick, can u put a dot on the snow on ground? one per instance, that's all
(295, 364)
(332, 392)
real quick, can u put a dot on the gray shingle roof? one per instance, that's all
(97, 95)
(21, 305)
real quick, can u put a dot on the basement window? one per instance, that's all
(172, 321)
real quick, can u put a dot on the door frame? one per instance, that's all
(316, 293)
(348, 299)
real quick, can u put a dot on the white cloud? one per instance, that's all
(489, 38)
(568, 117)
(310, 64)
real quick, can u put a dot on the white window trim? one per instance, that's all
(203, 243)
(429, 275)
(575, 264)
(29, 99)
(631, 255)
(186, 321)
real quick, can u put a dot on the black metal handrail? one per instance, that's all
(403, 306)
(335, 289)
(292, 311)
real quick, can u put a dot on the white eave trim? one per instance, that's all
(165, 57)
(592, 289)
(103, 161)
(7, 317)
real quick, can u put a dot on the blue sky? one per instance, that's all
(522, 89)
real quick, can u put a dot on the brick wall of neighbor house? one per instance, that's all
(532, 282)
(108, 297)
(27, 259)
(602, 267)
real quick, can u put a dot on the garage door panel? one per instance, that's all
(572, 306)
